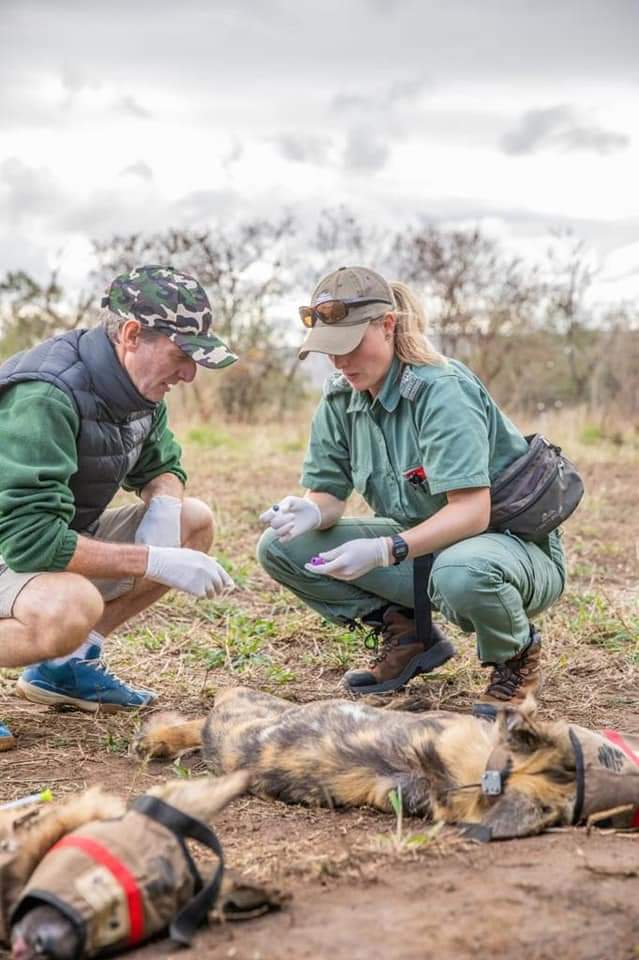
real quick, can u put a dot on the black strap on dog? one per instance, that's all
(186, 922)
(422, 567)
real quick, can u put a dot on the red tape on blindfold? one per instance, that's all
(121, 875)
(619, 741)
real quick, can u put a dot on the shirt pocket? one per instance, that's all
(417, 500)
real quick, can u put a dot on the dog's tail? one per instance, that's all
(167, 734)
(206, 796)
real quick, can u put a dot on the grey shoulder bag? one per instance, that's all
(536, 493)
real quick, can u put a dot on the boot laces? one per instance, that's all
(511, 675)
(379, 650)
(506, 677)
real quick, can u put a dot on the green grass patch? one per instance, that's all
(207, 437)
(239, 570)
(239, 644)
(591, 434)
(606, 625)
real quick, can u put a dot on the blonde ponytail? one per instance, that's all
(411, 342)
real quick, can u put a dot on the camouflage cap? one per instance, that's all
(173, 303)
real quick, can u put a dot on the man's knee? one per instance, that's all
(61, 619)
(198, 526)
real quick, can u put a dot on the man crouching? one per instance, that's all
(82, 415)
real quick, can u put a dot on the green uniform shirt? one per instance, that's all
(439, 417)
(38, 428)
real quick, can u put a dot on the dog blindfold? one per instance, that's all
(122, 881)
(607, 774)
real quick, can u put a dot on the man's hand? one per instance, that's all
(188, 570)
(160, 526)
(291, 517)
(353, 559)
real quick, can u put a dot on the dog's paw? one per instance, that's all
(155, 736)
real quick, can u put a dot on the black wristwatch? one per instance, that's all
(399, 549)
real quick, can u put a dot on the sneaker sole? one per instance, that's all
(36, 695)
(426, 662)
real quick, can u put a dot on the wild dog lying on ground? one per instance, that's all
(515, 776)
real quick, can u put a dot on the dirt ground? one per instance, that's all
(357, 887)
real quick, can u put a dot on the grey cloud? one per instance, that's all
(302, 148)
(75, 79)
(233, 156)
(365, 151)
(200, 206)
(384, 98)
(139, 169)
(559, 128)
(198, 46)
(594, 138)
(129, 105)
(28, 191)
(19, 251)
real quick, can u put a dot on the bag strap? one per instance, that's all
(422, 567)
(186, 922)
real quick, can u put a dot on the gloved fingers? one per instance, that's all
(287, 504)
(228, 583)
(333, 568)
(281, 520)
(268, 515)
(328, 555)
(286, 533)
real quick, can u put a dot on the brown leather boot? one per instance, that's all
(400, 657)
(512, 681)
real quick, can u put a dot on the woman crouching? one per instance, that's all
(421, 439)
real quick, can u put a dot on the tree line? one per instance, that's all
(529, 330)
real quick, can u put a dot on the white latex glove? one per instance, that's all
(353, 559)
(160, 524)
(292, 516)
(188, 570)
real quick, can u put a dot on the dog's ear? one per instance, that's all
(518, 730)
(515, 814)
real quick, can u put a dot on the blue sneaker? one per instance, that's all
(85, 684)
(7, 739)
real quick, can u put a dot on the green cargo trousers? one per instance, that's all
(490, 584)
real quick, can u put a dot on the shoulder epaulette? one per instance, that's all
(335, 383)
(410, 386)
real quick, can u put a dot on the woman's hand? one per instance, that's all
(353, 559)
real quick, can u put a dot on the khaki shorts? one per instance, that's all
(117, 525)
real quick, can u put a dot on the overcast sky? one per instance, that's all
(519, 115)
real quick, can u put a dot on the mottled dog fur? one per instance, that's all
(340, 753)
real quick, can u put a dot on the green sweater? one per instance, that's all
(38, 429)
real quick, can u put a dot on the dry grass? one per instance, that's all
(262, 636)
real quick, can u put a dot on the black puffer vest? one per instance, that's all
(115, 419)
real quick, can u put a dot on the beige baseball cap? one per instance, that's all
(367, 297)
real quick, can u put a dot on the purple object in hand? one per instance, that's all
(317, 561)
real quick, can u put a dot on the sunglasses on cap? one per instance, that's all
(333, 311)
